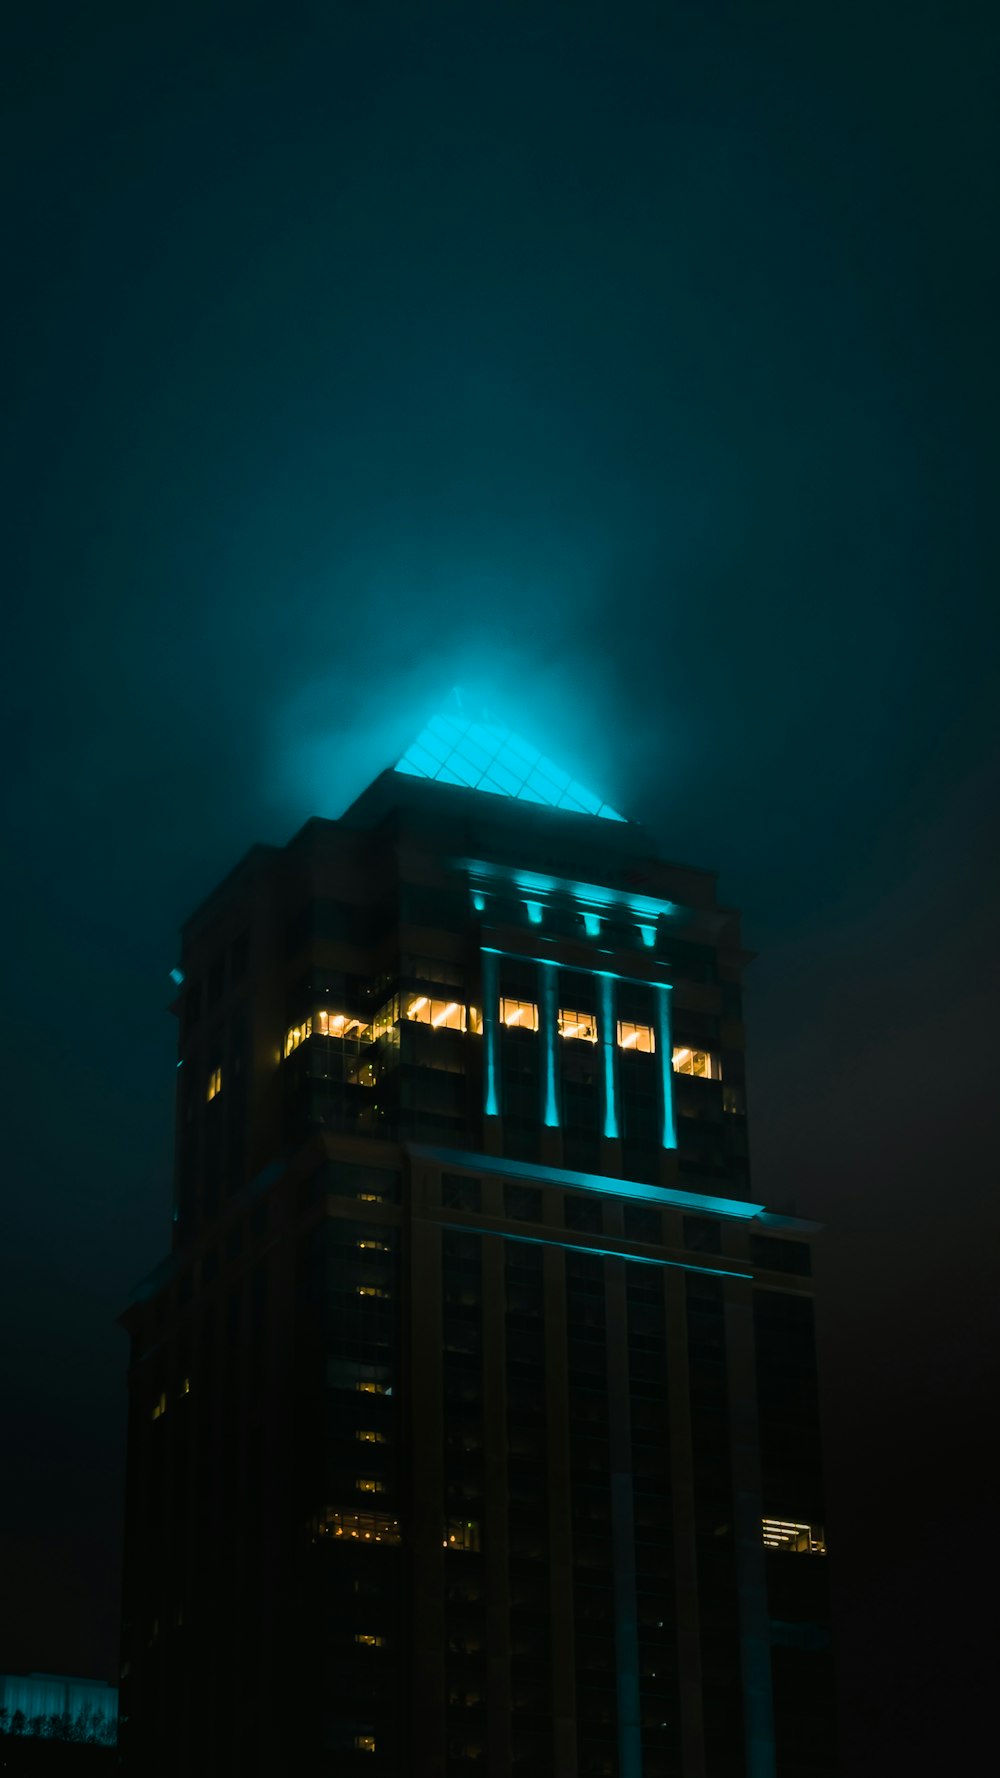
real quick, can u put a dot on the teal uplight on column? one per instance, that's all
(607, 1037)
(549, 998)
(491, 1085)
(665, 1046)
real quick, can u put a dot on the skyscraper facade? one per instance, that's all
(473, 1415)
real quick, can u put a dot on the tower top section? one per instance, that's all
(478, 754)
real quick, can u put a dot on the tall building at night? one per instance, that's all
(473, 1416)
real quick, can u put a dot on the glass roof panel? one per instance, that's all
(484, 756)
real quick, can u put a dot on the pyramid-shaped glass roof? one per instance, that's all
(483, 756)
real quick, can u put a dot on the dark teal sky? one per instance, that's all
(635, 365)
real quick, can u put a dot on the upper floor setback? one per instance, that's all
(468, 785)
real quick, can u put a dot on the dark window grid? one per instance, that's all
(526, 1343)
(525, 1311)
(587, 1416)
(459, 1247)
(523, 1203)
(460, 1193)
(646, 1320)
(525, 1445)
(582, 1213)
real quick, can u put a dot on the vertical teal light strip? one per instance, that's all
(665, 1045)
(550, 1034)
(607, 1036)
(491, 1094)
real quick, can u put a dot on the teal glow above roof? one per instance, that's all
(483, 756)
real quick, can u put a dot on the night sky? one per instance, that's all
(635, 366)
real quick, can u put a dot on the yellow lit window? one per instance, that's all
(337, 1024)
(367, 1639)
(297, 1034)
(325, 1024)
(370, 1197)
(367, 1484)
(443, 1015)
(377, 1246)
(368, 1437)
(792, 1536)
(185, 1388)
(371, 1290)
(635, 1037)
(523, 1014)
(697, 1062)
(364, 1743)
(461, 1534)
(360, 1527)
(159, 1407)
(214, 1084)
(580, 1025)
(370, 1388)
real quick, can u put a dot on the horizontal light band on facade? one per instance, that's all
(592, 895)
(614, 975)
(632, 1259)
(497, 1166)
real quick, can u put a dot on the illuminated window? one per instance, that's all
(326, 1024)
(443, 1015)
(367, 1484)
(368, 1437)
(367, 1388)
(185, 1388)
(793, 1537)
(364, 1743)
(521, 1013)
(214, 1084)
(160, 1407)
(376, 1246)
(370, 1198)
(697, 1062)
(366, 1527)
(367, 1639)
(580, 1025)
(372, 1290)
(297, 1034)
(635, 1037)
(461, 1534)
(337, 1024)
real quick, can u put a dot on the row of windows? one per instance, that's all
(788, 1535)
(373, 1527)
(522, 1015)
(361, 1527)
(324, 1024)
